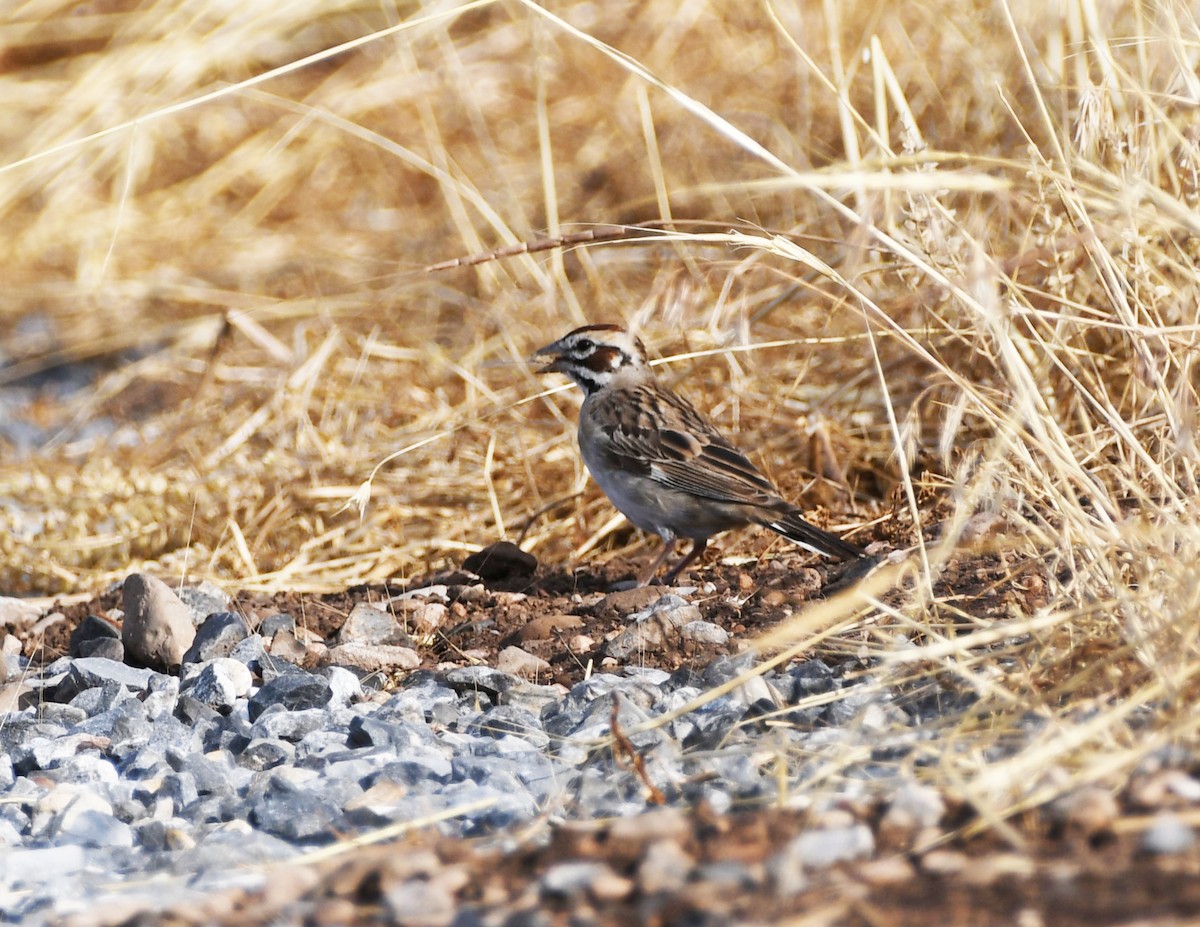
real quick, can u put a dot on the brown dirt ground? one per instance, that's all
(545, 613)
(527, 611)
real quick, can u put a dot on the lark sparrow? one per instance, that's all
(662, 463)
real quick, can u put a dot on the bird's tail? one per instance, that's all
(810, 537)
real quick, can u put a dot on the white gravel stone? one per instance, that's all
(1168, 834)
(819, 849)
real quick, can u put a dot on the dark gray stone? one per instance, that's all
(42, 753)
(203, 600)
(293, 691)
(277, 722)
(272, 624)
(106, 648)
(295, 816)
(216, 637)
(92, 628)
(266, 753)
(249, 652)
(481, 681)
(95, 637)
(214, 687)
(509, 719)
(66, 715)
(88, 671)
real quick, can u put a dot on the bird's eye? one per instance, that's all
(585, 345)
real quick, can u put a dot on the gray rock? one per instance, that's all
(203, 600)
(295, 816)
(31, 865)
(216, 637)
(818, 849)
(1167, 835)
(278, 722)
(481, 680)
(266, 752)
(416, 769)
(106, 648)
(93, 828)
(87, 672)
(704, 632)
(581, 878)
(293, 691)
(92, 631)
(368, 625)
(653, 627)
(215, 687)
(249, 652)
(273, 624)
(158, 627)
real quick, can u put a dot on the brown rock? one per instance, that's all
(548, 627)
(285, 646)
(10, 697)
(618, 605)
(158, 627)
(17, 613)
(1089, 812)
(521, 663)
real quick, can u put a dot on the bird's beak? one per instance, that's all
(550, 350)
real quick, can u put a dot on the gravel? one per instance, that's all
(192, 778)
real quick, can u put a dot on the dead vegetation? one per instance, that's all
(935, 262)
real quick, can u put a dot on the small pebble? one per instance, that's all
(1168, 834)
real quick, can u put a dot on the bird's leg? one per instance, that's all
(648, 574)
(698, 546)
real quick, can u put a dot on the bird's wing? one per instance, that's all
(680, 448)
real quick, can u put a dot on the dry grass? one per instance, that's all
(948, 247)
